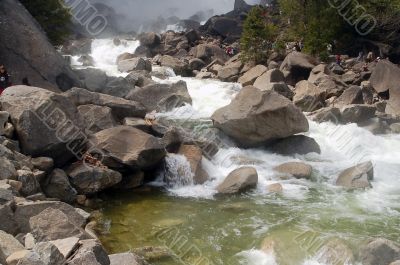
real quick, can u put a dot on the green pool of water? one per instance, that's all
(198, 231)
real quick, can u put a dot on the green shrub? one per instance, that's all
(258, 36)
(52, 16)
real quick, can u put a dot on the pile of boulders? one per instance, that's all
(59, 150)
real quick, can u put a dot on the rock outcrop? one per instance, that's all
(26, 51)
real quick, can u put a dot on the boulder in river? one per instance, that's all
(194, 155)
(179, 66)
(162, 97)
(126, 146)
(357, 177)
(296, 169)
(256, 117)
(134, 64)
(127, 258)
(121, 108)
(380, 251)
(239, 180)
(296, 144)
(357, 113)
(44, 121)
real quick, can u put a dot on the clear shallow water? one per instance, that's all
(231, 230)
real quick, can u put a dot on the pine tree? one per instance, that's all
(258, 35)
(52, 16)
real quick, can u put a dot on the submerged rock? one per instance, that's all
(127, 258)
(239, 180)
(256, 117)
(90, 252)
(357, 177)
(380, 252)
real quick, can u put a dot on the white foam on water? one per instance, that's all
(256, 257)
(342, 146)
(207, 95)
(105, 53)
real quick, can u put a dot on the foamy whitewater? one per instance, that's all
(342, 146)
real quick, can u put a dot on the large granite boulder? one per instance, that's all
(45, 122)
(134, 64)
(126, 146)
(121, 108)
(256, 117)
(26, 51)
(380, 251)
(296, 144)
(179, 66)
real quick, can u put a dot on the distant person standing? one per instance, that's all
(370, 57)
(4, 79)
(329, 48)
(338, 59)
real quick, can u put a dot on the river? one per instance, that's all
(294, 227)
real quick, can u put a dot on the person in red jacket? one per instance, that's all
(4, 79)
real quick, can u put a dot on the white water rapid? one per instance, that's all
(342, 146)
